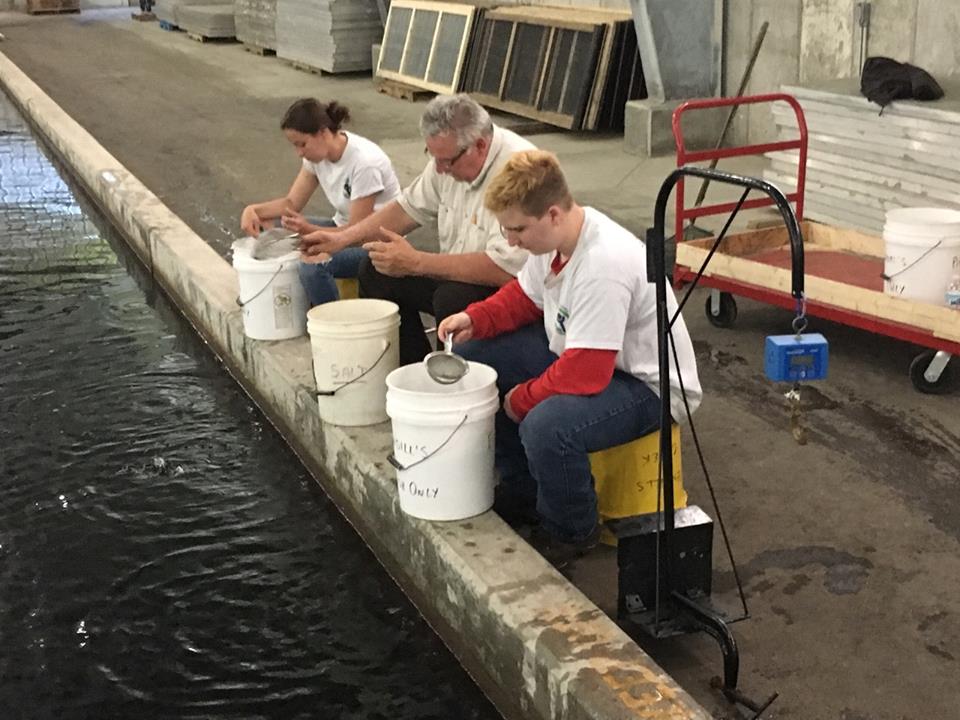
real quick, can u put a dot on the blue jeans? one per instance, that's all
(318, 279)
(543, 462)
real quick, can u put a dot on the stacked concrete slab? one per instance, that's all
(256, 22)
(862, 163)
(166, 11)
(330, 35)
(212, 21)
(169, 10)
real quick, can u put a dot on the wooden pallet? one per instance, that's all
(52, 7)
(402, 90)
(257, 50)
(305, 68)
(207, 39)
(143, 16)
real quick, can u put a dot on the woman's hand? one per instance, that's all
(458, 326)
(250, 222)
(295, 222)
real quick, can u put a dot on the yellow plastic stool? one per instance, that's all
(626, 479)
(348, 288)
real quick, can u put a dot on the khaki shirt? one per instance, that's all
(463, 224)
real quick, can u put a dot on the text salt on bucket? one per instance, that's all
(355, 345)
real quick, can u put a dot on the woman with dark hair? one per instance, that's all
(356, 176)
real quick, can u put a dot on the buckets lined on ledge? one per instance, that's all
(272, 298)
(443, 441)
(355, 344)
(922, 252)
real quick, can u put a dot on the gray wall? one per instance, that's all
(814, 40)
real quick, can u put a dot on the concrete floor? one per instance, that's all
(849, 546)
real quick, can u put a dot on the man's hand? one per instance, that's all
(392, 255)
(319, 242)
(295, 222)
(459, 326)
(250, 222)
(508, 408)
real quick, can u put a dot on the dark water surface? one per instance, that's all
(162, 553)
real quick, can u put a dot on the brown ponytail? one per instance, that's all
(309, 116)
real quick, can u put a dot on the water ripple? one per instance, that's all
(162, 555)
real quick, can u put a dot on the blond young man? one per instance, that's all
(574, 343)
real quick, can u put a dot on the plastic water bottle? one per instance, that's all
(953, 293)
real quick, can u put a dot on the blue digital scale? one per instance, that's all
(792, 358)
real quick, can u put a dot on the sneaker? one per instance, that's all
(560, 553)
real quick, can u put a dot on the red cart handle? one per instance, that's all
(684, 157)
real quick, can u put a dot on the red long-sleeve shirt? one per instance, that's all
(580, 371)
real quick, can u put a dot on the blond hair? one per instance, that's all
(530, 180)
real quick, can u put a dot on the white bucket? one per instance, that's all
(355, 343)
(922, 252)
(273, 300)
(443, 439)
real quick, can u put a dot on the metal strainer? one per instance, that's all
(445, 366)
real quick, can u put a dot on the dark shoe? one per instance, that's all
(560, 553)
(514, 512)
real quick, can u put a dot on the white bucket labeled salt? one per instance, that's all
(273, 300)
(922, 252)
(443, 441)
(355, 344)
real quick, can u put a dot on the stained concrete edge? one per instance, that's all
(535, 644)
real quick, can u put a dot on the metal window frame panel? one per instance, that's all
(441, 8)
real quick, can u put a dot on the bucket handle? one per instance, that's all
(244, 303)
(392, 459)
(928, 251)
(331, 393)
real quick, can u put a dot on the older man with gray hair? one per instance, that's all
(467, 150)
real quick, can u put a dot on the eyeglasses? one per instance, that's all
(448, 162)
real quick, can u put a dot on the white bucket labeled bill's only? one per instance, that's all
(355, 343)
(443, 441)
(922, 252)
(273, 300)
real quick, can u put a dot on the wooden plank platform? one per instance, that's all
(760, 259)
(402, 90)
(257, 50)
(143, 16)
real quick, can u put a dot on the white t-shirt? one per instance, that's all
(363, 170)
(601, 300)
(464, 225)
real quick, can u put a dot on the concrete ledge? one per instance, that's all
(648, 127)
(533, 642)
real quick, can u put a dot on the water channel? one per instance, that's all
(163, 554)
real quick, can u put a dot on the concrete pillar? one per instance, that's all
(680, 48)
